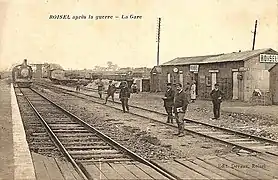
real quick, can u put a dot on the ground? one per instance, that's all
(6, 132)
(148, 139)
(258, 120)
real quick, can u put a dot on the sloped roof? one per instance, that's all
(235, 56)
(156, 69)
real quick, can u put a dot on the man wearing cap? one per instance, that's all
(100, 87)
(124, 96)
(216, 96)
(180, 105)
(169, 102)
(110, 91)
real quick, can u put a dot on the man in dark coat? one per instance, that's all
(78, 84)
(124, 96)
(180, 106)
(100, 87)
(169, 102)
(110, 91)
(216, 96)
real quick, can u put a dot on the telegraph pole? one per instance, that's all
(158, 41)
(254, 37)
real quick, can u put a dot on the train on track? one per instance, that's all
(22, 75)
(58, 75)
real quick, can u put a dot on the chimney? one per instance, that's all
(239, 51)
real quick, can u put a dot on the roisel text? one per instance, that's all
(59, 17)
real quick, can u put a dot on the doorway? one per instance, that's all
(195, 78)
(213, 79)
(235, 85)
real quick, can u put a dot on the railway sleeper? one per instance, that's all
(86, 143)
(43, 148)
(80, 139)
(51, 122)
(54, 116)
(97, 156)
(107, 160)
(41, 137)
(71, 130)
(89, 147)
(39, 133)
(94, 151)
(65, 127)
(80, 135)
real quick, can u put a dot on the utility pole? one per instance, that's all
(254, 37)
(158, 41)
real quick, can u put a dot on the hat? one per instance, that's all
(216, 84)
(169, 84)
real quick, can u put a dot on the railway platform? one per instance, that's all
(16, 161)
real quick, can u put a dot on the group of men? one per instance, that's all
(176, 102)
(124, 94)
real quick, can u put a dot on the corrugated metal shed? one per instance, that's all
(235, 56)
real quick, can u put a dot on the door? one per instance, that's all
(235, 86)
(145, 85)
(273, 86)
(196, 81)
(213, 80)
(181, 78)
(168, 77)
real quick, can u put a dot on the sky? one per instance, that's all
(188, 28)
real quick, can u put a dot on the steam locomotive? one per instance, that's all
(22, 75)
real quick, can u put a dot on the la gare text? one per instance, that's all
(91, 17)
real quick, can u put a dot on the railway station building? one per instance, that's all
(246, 76)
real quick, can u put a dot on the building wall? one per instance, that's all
(274, 84)
(203, 78)
(257, 77)
(155, 82)
(174, 76)
(224, 78)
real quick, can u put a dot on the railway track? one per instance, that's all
(235, 138)
(37, 136)
(81, 143)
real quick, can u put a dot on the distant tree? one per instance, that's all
(97, 68)
(115, 67)
(109, 64)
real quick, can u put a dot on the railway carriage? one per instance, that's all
(22, 75)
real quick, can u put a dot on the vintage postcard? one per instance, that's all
(138, 89)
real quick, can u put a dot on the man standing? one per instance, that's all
(78, 84)
(193, 92)
(169, 102)
(110, 91)
(216, 96)
(100, 87)
(180, 105)
(124, 95)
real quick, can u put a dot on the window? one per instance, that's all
(208, 80)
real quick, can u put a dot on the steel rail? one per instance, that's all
(111, 141)
(57, 141)
(189, 120)
(198, 122)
